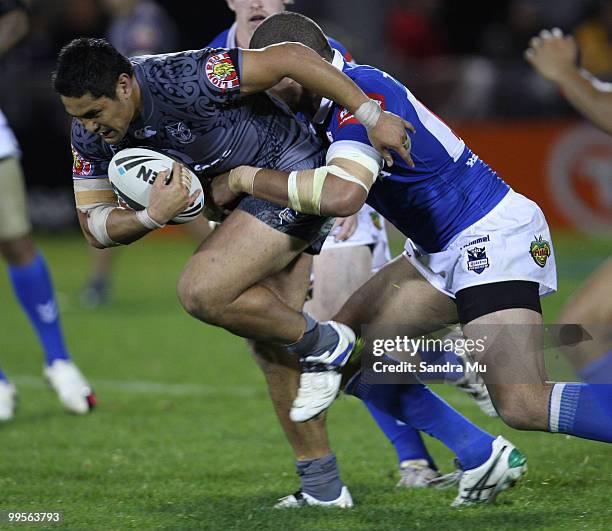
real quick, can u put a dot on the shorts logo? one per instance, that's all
(346, 118)
(79, 165)
(221, 72)
(539, 250)
(287, 215)
(477, 259)
(376, 221)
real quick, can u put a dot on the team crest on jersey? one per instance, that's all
(539, 251)
(181, 132)
(79, 165)
(221, 72)
(477, 259)
(345, 117)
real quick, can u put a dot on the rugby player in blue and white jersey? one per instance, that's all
(358, 243)
(477, 253)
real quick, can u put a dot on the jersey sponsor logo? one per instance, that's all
(79, 165)
(477, 259)
(221, 72)
(181, 132)
(539, 250)
(345, 117)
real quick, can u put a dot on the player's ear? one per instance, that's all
(124, 87)
(231, 4)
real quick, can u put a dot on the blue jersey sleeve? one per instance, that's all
(381, 88)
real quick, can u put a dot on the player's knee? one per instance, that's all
(199, 300)
(518, 411)
(18, 251)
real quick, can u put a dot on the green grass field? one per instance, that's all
(185, 437)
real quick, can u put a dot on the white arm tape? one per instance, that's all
(96, 222)
(368, 113)
(358, 152)
(144, 218)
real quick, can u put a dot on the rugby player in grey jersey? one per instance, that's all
(250, 275)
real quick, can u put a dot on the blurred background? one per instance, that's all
(462, 59)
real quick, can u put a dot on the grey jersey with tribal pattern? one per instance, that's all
(191, 107)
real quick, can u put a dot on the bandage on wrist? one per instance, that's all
(242, 179)
(368, 113)
(144, 218)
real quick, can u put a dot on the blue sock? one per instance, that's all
(419, 407)
(437, 360)
(33, 289)
(3, 377)
(405, 439)
(573, 409)
(599, 374)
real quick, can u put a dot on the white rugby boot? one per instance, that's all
(500, 472)
(8, 400)
(320, 379)
(416, 474)
(302, 499)
(73, 390)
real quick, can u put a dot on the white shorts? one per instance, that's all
(512, 242)
(370, 231)
(8, 143)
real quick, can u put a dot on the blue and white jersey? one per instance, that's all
(227, 39)
(448, 189)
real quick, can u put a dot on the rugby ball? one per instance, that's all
(133, 171)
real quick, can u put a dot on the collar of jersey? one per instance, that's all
(325, 106)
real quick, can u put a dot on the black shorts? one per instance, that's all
(311, 229)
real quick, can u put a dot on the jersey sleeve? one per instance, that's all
(90, 157)
(220, 73)
(344, 125)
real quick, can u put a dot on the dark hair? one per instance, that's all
(89, 66)
(292, 27)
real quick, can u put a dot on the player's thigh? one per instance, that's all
(338, 273)
(14, 223)
(237, 255)
(399, 295)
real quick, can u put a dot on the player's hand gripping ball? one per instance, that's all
(132, 173)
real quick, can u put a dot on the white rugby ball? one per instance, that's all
(133, 171)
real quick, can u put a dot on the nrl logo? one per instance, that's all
(539, 251)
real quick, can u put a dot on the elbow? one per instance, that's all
(346, 202)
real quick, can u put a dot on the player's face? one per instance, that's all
(109, 118)
(251, 13)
